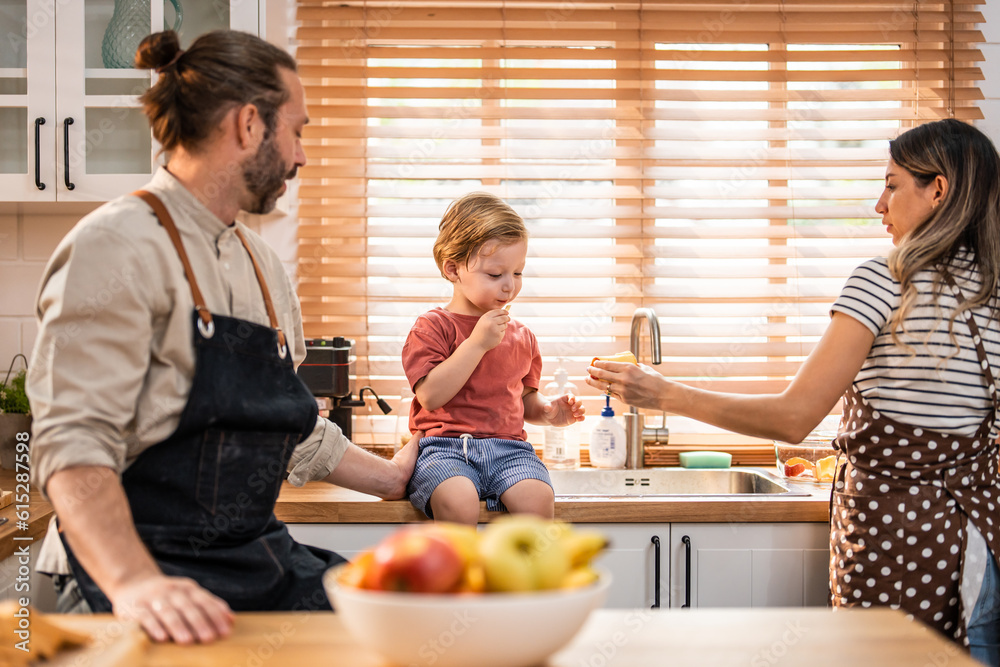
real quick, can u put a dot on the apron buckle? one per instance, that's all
(207, 329)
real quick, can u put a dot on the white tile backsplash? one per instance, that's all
(8, 236)
(29, 332)
(42, 234)
(10, 342)
(19, 282)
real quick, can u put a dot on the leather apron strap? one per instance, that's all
(205, 324)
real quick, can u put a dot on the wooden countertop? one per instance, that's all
(13, 535)
(319, 502)
(627, 638)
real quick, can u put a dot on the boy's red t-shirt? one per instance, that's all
(489, 405)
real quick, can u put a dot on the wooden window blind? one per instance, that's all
(715, 161)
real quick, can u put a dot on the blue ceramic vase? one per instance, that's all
(128, 26)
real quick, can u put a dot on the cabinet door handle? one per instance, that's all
(656, 571)
(38, 154)
(687, 572)
(66, 124)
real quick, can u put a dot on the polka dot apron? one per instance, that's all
(901, 501)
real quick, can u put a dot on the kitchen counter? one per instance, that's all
(320, 502)
(628, 638)
(13, 535)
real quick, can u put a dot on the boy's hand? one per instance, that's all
(564, 410)
(490, 329)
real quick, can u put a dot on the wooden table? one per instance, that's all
(627, 638)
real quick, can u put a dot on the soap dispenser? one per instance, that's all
(561, 448)
(607, 440)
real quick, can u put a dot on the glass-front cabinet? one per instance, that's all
(71, 126)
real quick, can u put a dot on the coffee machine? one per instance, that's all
(327, 371)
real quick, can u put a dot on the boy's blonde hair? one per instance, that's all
(472, 221)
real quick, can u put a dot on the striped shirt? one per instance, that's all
(933, 383)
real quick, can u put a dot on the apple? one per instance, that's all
(416, 561)
(523, 553)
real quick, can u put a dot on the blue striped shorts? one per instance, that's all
(494, 465)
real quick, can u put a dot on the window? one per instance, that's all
(716, 161)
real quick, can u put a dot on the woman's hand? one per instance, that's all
(563, 411)
(636, 385)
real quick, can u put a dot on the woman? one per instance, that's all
(911, 346)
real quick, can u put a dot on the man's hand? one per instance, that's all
(405, 460)
(173, 608)
(96, 522)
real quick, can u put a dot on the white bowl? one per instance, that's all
(484, 630)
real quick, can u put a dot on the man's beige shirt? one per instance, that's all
(114, 361)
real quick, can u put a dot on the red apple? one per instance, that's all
(416, 561)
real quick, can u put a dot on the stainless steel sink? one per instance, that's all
(668, 482)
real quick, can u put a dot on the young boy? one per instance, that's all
(475, 372)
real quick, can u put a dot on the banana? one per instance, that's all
(583, 546)
(579, 577)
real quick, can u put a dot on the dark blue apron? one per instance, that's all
(203, 499)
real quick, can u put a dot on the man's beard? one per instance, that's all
(262, 176)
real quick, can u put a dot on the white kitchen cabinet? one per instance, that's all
(631, 560)
(749, 564)
(732, 565)
(71, 129)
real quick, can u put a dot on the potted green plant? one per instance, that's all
(15, 412)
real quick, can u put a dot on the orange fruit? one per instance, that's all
(355, 572)
(825, 468)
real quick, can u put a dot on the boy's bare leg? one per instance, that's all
(530, 496)
(456, 499)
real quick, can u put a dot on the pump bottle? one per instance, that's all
(607, 440)
(561, 449)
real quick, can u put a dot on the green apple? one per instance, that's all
(523, 553)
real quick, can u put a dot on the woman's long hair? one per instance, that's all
(968, 216)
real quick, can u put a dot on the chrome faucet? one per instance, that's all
(635, 435)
